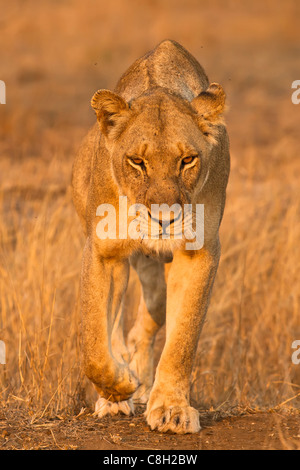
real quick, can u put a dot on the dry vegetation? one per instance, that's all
(53, 57)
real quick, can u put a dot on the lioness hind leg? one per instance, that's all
(118, 344)
(105, 407)
(151, 316)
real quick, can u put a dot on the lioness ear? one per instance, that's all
(210, 105)
(111, 111)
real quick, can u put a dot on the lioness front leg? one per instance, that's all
(151, 316)
(188, 291)
(103, 283)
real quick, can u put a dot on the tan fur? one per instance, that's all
(162, 110)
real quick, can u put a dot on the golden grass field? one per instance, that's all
(54, 56)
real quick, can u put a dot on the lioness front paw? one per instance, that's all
(105, 407)
(177, 419)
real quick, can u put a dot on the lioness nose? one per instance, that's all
(161, 221)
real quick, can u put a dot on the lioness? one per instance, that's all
(159, 139)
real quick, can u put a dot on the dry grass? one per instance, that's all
(244, 355)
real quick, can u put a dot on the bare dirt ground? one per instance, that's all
(243, 430)
(53, 57)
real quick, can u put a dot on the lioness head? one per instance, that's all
(160, 144)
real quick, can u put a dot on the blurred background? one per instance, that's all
(53, 56)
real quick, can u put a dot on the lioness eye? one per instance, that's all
(137, 161)
(187, 160)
